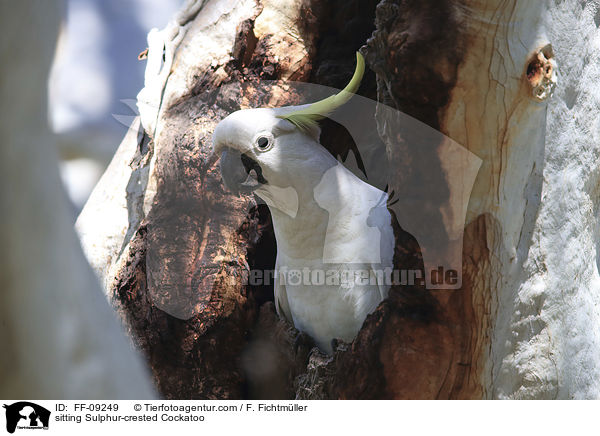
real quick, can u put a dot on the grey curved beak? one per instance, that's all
(232, 169)
(240, 172)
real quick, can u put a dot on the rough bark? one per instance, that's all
(480, 73)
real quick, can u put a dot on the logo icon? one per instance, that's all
(26, 415)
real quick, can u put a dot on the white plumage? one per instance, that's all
(325, 220)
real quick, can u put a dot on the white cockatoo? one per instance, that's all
(333, 230)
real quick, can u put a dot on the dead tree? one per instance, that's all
(521, 325)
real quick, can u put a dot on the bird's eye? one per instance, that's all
(264, 142)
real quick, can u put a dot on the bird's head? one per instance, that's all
(259, 148)
(267, 149)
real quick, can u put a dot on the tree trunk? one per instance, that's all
(173, 247)
(59, 337)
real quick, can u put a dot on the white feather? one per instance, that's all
(326, 220)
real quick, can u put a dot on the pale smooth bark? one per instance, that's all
(59, 337)
(538, 192)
